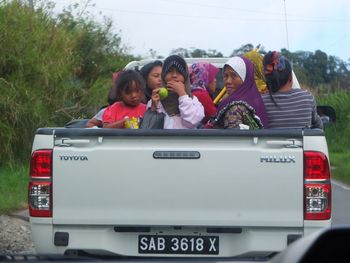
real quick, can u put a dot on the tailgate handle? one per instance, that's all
(69, 142)
(287, 143)
(176, 155)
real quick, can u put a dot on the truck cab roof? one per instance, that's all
(218, 62)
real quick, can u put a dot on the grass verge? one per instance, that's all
(341, 166)
(13, 188)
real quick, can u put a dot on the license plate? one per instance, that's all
(156, 244)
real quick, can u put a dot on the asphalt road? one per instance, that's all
(340, 204)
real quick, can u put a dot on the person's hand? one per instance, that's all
(117, 124)
(121, 123)
(177, 87)
(125, 120)
(155, 99)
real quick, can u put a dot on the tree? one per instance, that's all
(183, 52)
(52, 69)
(315, 68)
(243, 49)
(198, 53)
(95, 47)
(213, 53)
(194, 52)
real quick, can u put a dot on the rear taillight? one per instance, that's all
(317, 186)
(40, 202)
(41, 163)
(40, 185)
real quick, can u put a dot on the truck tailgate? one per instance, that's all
(178, 180)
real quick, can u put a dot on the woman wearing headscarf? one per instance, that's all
(181, 109)
(257, 59)
(243, 107)
(203, 85)
(151, 73)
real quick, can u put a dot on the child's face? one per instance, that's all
(212, 86)
(154, 78)
(173, 74)
(132, 96)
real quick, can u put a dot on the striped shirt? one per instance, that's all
(295, 108)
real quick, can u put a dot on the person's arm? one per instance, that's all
(93, 122)
(177, 87)
(155, 99)
(235, 116)
(96, 120)
(191, 111)
(109, 119)
(316, 121)
(207, 102)
(117, 124)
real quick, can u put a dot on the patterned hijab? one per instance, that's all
(171, 103)
(202, 74)
(247, 92)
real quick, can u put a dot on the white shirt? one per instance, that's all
(191, 113)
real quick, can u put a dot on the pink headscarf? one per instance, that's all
(202, 74)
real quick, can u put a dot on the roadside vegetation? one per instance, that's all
(52, 68)
(13, 188)
(58, 67)
(337, 134)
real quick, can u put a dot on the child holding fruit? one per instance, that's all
(181, 109)
(151, 73)
(129, 107)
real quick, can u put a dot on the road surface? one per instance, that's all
(340, 204)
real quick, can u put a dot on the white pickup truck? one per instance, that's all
(217, 193)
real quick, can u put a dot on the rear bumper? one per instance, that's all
(105, 240)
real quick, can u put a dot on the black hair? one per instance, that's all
(125, 80)
(145, 71)
(280, 74)
(112, 95)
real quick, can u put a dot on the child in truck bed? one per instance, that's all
(203, 85)
(129, 95)
(181, 109)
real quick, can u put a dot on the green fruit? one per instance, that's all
(163, 93)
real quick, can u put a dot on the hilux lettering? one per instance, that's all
(277, 159)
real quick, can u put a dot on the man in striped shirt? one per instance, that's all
(287, 107)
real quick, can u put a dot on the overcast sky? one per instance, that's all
(225, 25)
